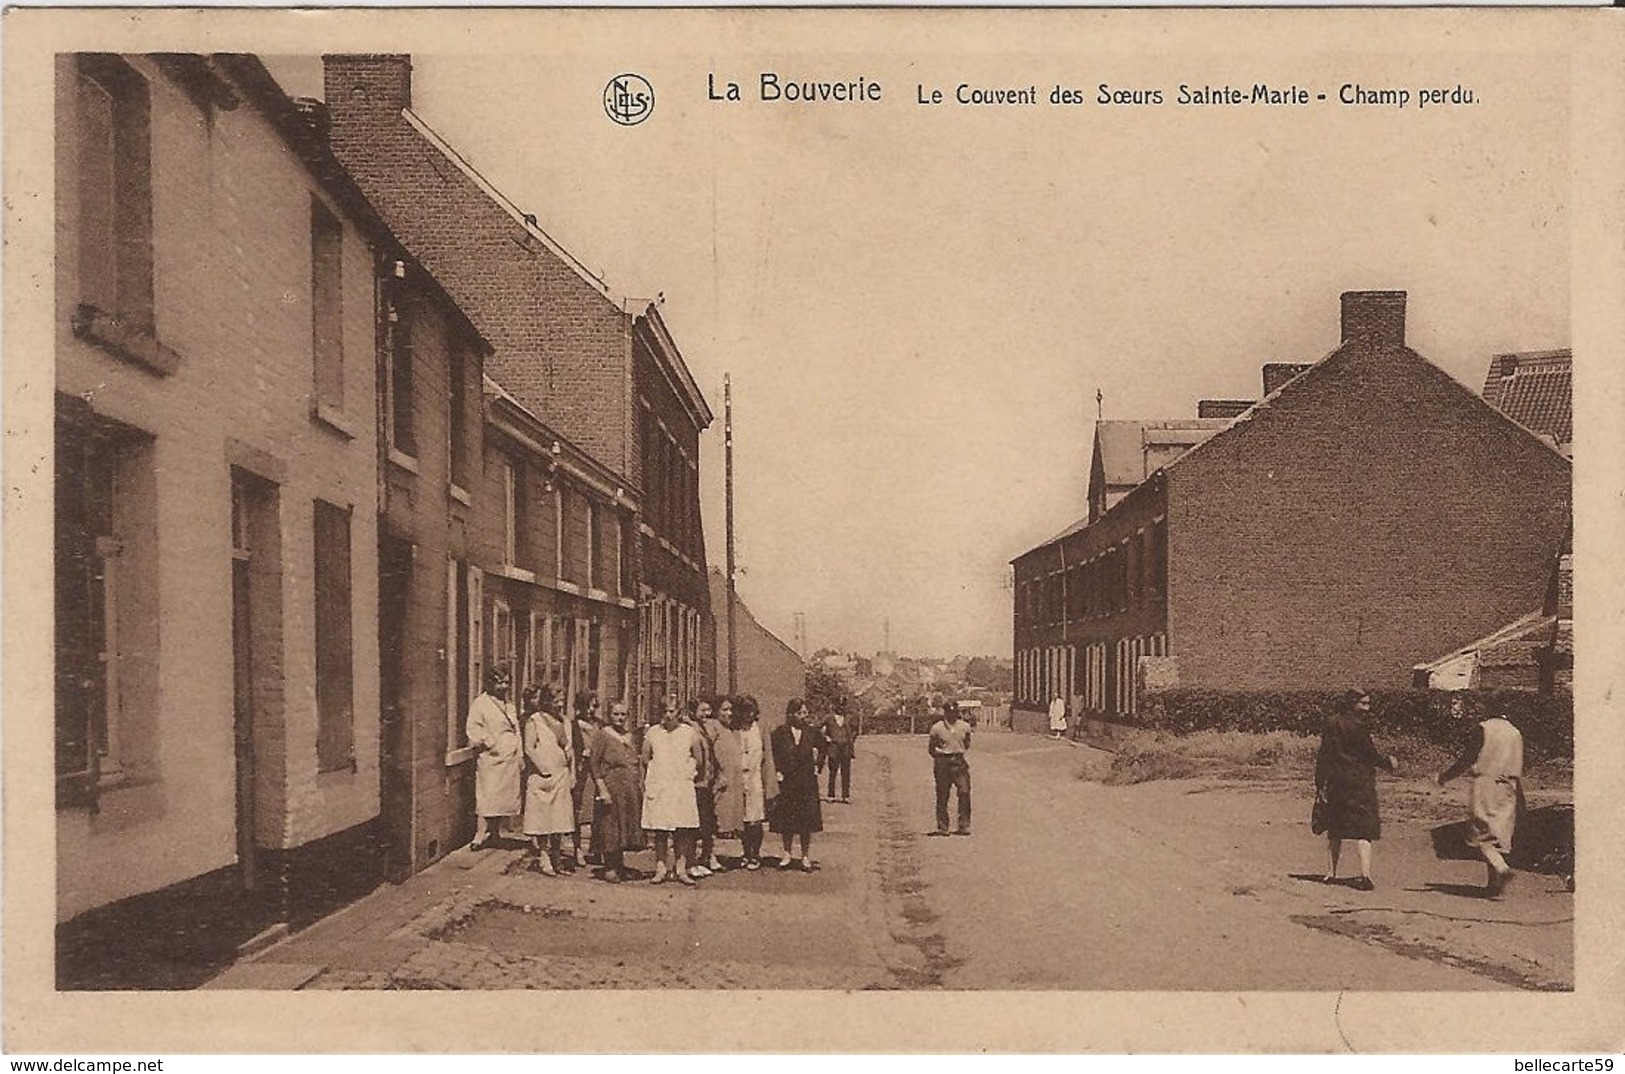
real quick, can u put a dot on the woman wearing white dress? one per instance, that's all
(752, 755)
(493, 732)
(672, 755)
(549, 807)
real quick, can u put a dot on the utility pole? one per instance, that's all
(728, 468)
(1100, 403)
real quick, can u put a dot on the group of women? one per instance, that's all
(1346, 789)
(698, 774)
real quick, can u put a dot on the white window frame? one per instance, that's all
(510, 515)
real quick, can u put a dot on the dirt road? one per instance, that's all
(1065, 884)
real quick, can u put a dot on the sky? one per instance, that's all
(917, 305)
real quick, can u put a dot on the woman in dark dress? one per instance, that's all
(798, 757)
(1346, 785)
(616, 777)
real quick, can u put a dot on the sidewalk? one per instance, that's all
(482, 920)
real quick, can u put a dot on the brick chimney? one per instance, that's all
(1278, 373)
(1221, 408)
(367, 81)
(1375, 316)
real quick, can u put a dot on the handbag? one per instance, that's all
(1319, 820)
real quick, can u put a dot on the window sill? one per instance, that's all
(460, 756)
(626, 602)
(460, 494)
(397, 457)
(518, 574)
(136, 345)
(333, 418)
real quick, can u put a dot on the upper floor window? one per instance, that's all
(459, 443)
(327, 303)
(398, 412)
(114, 147)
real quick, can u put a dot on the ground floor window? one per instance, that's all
(105, 601)
(464, 657)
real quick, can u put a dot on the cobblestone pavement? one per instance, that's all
(484, 920)
(1066, 884)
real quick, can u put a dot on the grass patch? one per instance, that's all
(1140, 755)
(1143, 756)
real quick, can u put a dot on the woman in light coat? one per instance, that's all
(493, 732)
(549, 808)
(727, 792)
(752, 782)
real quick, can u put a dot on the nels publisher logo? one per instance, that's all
(629, 99)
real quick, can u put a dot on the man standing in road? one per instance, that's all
(840, 743)
(948, 743)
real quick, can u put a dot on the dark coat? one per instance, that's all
(1346, 778)
(841, 740)
(796, 810)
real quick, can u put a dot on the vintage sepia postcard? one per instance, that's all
(1011, 530)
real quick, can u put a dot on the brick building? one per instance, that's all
(769, 670)
(433, 494)
(597, 577)
(1368, 514)
(216, 498)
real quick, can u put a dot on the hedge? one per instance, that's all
(1547, 721)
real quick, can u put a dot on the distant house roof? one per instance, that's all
(1534, 389)
(1131, 451)
(1517, 644)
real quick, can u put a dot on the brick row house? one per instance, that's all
(259, 368)
(596, 577)
(1367, 514)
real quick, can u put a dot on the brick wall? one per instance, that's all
(232, 293)
(561, 346)
(1375, 516)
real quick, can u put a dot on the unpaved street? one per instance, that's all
(1065, 884)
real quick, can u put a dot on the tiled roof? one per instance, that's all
(1535, 390)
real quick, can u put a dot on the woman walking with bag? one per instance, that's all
(1346, 786)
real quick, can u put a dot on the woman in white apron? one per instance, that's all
(549, 782)
(672, 755)
(752, 758)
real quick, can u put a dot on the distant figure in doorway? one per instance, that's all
(841, 741)
(948, 743)
(798, 756)
(1346, 785)
(672, 756)
(1494, 758)
(493, 733)
(752, 787)
(549, 780)
(617, 782)
(1057, 718)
